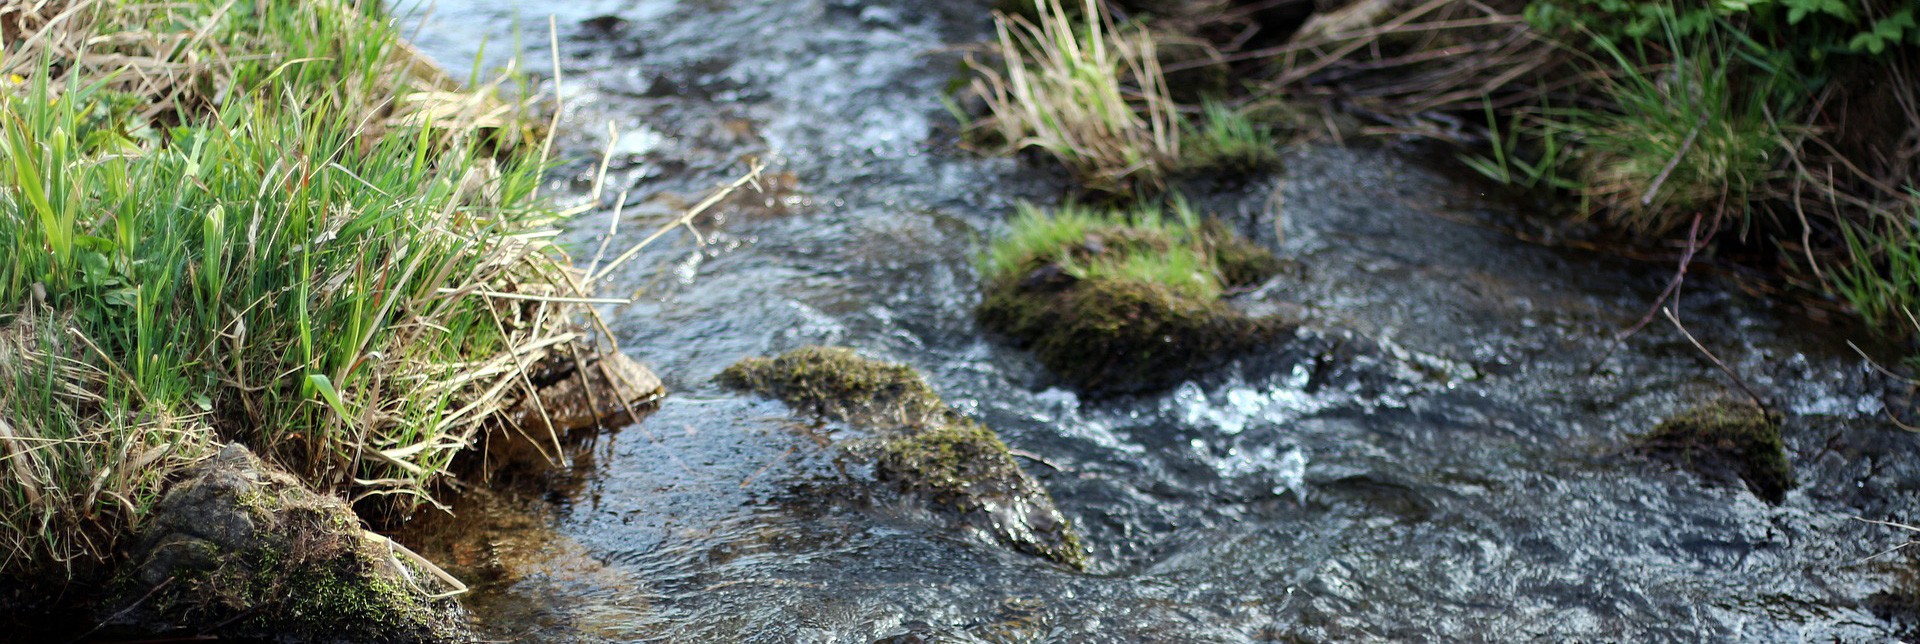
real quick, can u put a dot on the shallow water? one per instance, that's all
(1442, 455)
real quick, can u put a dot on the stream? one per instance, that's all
(1444, 453)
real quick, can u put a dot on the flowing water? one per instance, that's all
(1443, 455)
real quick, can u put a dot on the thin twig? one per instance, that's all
(1737, 381)
(1658, 180)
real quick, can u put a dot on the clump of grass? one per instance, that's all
(1228, 140)
(73, 476)
(1679, 141)
(259, 244)
(1084, 90)
(1115, 302)
(1172, 246)
(1880, 276)
(177, 62)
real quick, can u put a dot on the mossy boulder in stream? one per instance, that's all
(1726, 441)
(1119, 303)
(922, 446)
(837, 383)
(241, 550)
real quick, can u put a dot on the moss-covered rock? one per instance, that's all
(1111, 336)
(241, 550)
(1131, 304)
(837, 383)
(922, 446)
(1241, 262)
(1726, 441)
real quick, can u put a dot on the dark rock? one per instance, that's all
(239, 549)
(1051, 277)
(608, 26)
(924, 448)
(1193, 71)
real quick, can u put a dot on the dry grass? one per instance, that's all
(1414, 70)
(1084, 90)
(74, 475)
(187, 58)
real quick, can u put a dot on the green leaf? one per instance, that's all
(324, 385)
(121, 297)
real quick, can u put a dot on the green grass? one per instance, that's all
(1228, 140)
(1681, 139)
(1146, 244)
(1670, 129)
(345, 285)
(1880, 276)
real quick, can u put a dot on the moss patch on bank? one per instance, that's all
(923, 446)
(241, 549)
(1726, 441)
(1119, 302)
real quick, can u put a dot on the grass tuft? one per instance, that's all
(1084, 90)
(264, 222)
(1122, 301)
(1228, 140)
(1679, 142)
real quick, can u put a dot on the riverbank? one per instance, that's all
(264, 229)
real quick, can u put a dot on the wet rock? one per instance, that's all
(1726, 441)
(608, 26)
(924, 448)
(602, 393)
(1111, 336)
(239, 549)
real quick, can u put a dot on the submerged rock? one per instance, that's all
(923, 447)
(1726, 441)
(241, 550)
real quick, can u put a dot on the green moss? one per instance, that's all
(310, 577)
(1239, 262)
(1727, 440)
(924, 446)
(836, 383)
(1121, 302)
(348, 594)
(950, 460)
(1117, 336)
